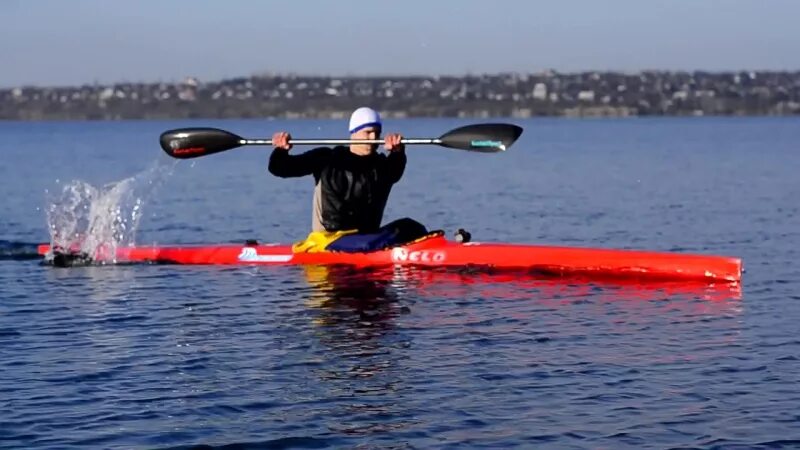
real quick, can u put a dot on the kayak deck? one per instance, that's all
(440, 252)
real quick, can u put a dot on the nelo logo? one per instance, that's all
(403, 255)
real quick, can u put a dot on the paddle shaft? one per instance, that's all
(339, 141)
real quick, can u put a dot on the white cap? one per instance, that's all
(364, 117)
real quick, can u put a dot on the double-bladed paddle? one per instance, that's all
(185, 143)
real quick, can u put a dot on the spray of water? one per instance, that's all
(94, 221)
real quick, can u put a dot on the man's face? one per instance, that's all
(365, 133)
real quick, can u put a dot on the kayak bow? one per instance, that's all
(437, 251)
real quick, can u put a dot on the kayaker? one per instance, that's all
(352, 184)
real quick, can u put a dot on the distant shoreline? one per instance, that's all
(463, 117)
(544, 94)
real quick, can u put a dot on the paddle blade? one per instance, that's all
(185, 143)
(484, 137)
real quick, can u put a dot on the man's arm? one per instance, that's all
(396, 161)
(284, 165)
(395, 165)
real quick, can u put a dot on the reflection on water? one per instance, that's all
(365, 288)
(369, 322)
(355, 321)
(367, 293)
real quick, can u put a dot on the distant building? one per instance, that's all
(586, 96)
(540, 91)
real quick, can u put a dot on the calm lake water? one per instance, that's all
(146, 356)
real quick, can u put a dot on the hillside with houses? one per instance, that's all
(549, 93)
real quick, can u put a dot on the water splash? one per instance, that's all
(95, 221)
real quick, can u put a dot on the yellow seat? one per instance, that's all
(317, 241)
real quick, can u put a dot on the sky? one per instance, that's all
(62, 43)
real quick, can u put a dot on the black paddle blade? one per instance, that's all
(484, 137)
(185, 143)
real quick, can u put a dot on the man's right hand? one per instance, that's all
(280, 140)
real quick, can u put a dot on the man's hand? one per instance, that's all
(280, 140)
(392, 142)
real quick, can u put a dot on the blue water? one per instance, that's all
(147, 356)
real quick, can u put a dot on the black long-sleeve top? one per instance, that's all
(350, 191)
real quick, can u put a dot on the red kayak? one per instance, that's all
(437, 251)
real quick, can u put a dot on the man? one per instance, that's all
(352, 184)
